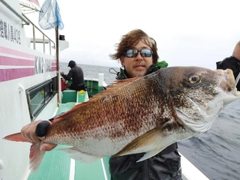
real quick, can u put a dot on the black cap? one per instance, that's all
(71, 63)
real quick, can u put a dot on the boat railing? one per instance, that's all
(14, 12)
(39, 37)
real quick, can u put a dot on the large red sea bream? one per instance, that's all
(144, 114)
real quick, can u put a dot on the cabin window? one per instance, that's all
(38, 96)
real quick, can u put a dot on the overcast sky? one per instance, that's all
(188, 32)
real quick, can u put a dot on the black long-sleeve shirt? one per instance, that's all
(165, 165)
(77, 77)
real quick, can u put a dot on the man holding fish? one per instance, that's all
(138, 54)
(142, 116)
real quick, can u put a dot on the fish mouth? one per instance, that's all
(230, 80)
(228, 83)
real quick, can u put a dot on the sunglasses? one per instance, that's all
(134, 52)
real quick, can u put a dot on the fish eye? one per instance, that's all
(194, 79)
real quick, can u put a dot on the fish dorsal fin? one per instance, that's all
(110, 89)
(116, 85)
(61, 117)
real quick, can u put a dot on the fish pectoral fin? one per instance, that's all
(148, 142)
(149, 154)
(80, 156)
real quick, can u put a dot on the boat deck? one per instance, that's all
(57, 165)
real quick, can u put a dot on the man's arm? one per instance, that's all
(68, 76)
(236, 51)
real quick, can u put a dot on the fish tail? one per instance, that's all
(36, 155)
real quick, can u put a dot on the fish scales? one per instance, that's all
(134, 115)
(144, 114)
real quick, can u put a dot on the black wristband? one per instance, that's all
(41, 129)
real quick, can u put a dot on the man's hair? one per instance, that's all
(131, 39)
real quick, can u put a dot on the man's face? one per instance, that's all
(137, 66)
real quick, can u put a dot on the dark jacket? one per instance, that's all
(163, 166)
(230, 63)
(76, 75)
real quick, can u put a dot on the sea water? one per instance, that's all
(91, 71)
(216, 153)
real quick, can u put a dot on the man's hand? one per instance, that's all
(36, 131)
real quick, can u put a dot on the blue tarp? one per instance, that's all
(49, 16)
